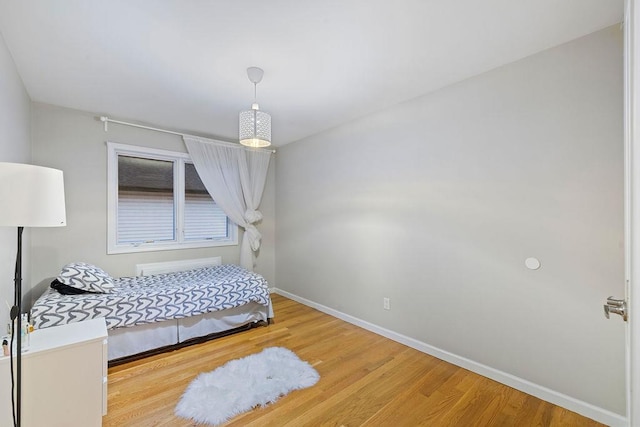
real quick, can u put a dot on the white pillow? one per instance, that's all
(87, 277)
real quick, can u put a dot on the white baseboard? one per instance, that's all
(583, 408)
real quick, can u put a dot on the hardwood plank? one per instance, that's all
(366, 380)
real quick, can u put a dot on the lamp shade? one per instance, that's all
(31, 196)
(255, 128)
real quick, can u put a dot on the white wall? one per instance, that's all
(15, 146)
(74, 141)
(437, 202)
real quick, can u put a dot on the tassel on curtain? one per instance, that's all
(235, 179)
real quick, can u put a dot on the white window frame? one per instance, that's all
(115, 149)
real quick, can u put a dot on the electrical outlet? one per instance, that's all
(386, 304)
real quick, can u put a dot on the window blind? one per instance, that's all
(145, 217)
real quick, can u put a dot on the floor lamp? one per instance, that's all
(30, 196)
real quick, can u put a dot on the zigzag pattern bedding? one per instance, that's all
(147, 299)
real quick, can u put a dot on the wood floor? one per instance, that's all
(366, 380)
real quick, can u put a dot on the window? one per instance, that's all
(156, 201)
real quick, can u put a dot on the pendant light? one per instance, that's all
(255, 125)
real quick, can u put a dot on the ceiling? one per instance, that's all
(181, 64)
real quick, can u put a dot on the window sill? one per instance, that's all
(152, 247)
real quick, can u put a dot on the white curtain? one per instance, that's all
(235, 178)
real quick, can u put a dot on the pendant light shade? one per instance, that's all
(255, 128)
(254, 125)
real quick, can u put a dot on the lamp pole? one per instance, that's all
(16, 330)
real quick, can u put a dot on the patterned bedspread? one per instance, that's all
(147, 299)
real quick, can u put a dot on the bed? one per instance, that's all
(153, 311)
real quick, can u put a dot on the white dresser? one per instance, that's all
(64, 377)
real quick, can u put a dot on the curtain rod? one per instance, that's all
(106, 120)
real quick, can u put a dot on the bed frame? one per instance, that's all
(137, 341)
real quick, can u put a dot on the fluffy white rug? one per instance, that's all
(242, 384)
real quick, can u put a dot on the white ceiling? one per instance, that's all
(181, 64)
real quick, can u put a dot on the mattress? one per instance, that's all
(147, 299)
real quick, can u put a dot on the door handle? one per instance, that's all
(616, 306)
